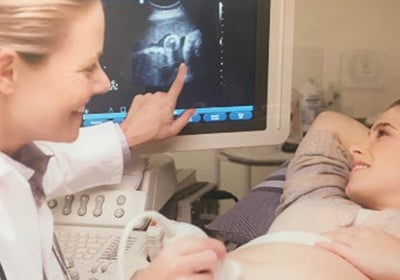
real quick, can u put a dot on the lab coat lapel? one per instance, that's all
(20, 249)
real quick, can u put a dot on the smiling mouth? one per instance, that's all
(359, 166)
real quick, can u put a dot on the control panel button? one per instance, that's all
(98, 208)
(121, 199)
(119, 213)
(68, 204)
(84, 199)
(52, 203)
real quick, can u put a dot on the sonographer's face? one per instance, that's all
(375, 177)
(59, 90)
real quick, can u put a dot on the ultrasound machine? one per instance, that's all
(238, 54)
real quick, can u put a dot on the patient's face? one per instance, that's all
(374, 181)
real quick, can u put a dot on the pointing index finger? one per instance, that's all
(179, 81)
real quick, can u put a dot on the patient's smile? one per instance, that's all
(359, 165)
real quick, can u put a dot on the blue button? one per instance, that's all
(240, 116)
(195, 119)
(215, 117)
(92, 122)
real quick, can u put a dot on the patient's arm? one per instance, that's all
(319, 171)
(348, 130)
(371, 250)
(320, 166)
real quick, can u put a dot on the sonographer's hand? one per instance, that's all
(372, 250)
(194, 258)
(150, 117)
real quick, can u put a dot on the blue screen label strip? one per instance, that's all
(214, 114)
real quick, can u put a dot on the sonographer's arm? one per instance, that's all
(191, 258)
(95, 158)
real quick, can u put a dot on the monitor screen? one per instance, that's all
(238, 58)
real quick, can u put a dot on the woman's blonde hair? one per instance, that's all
(33, 28)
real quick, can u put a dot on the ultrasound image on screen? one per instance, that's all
(146, 40)
(169, 38)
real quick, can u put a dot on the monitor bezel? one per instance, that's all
(278, 96)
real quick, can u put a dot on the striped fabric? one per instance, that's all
(252, 215)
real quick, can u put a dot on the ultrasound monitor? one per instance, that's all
(238, 54)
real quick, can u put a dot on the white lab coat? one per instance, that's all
(26, 232)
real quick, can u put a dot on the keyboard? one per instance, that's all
(91, 252)
(90, 223)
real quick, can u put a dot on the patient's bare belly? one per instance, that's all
(290, 261)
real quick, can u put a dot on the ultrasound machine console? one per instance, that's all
(238, 54)
(89, 224)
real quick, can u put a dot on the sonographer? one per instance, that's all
(49, 70)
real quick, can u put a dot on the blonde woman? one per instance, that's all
(49, 70)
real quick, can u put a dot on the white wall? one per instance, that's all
(335, 27)
(324, 30)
